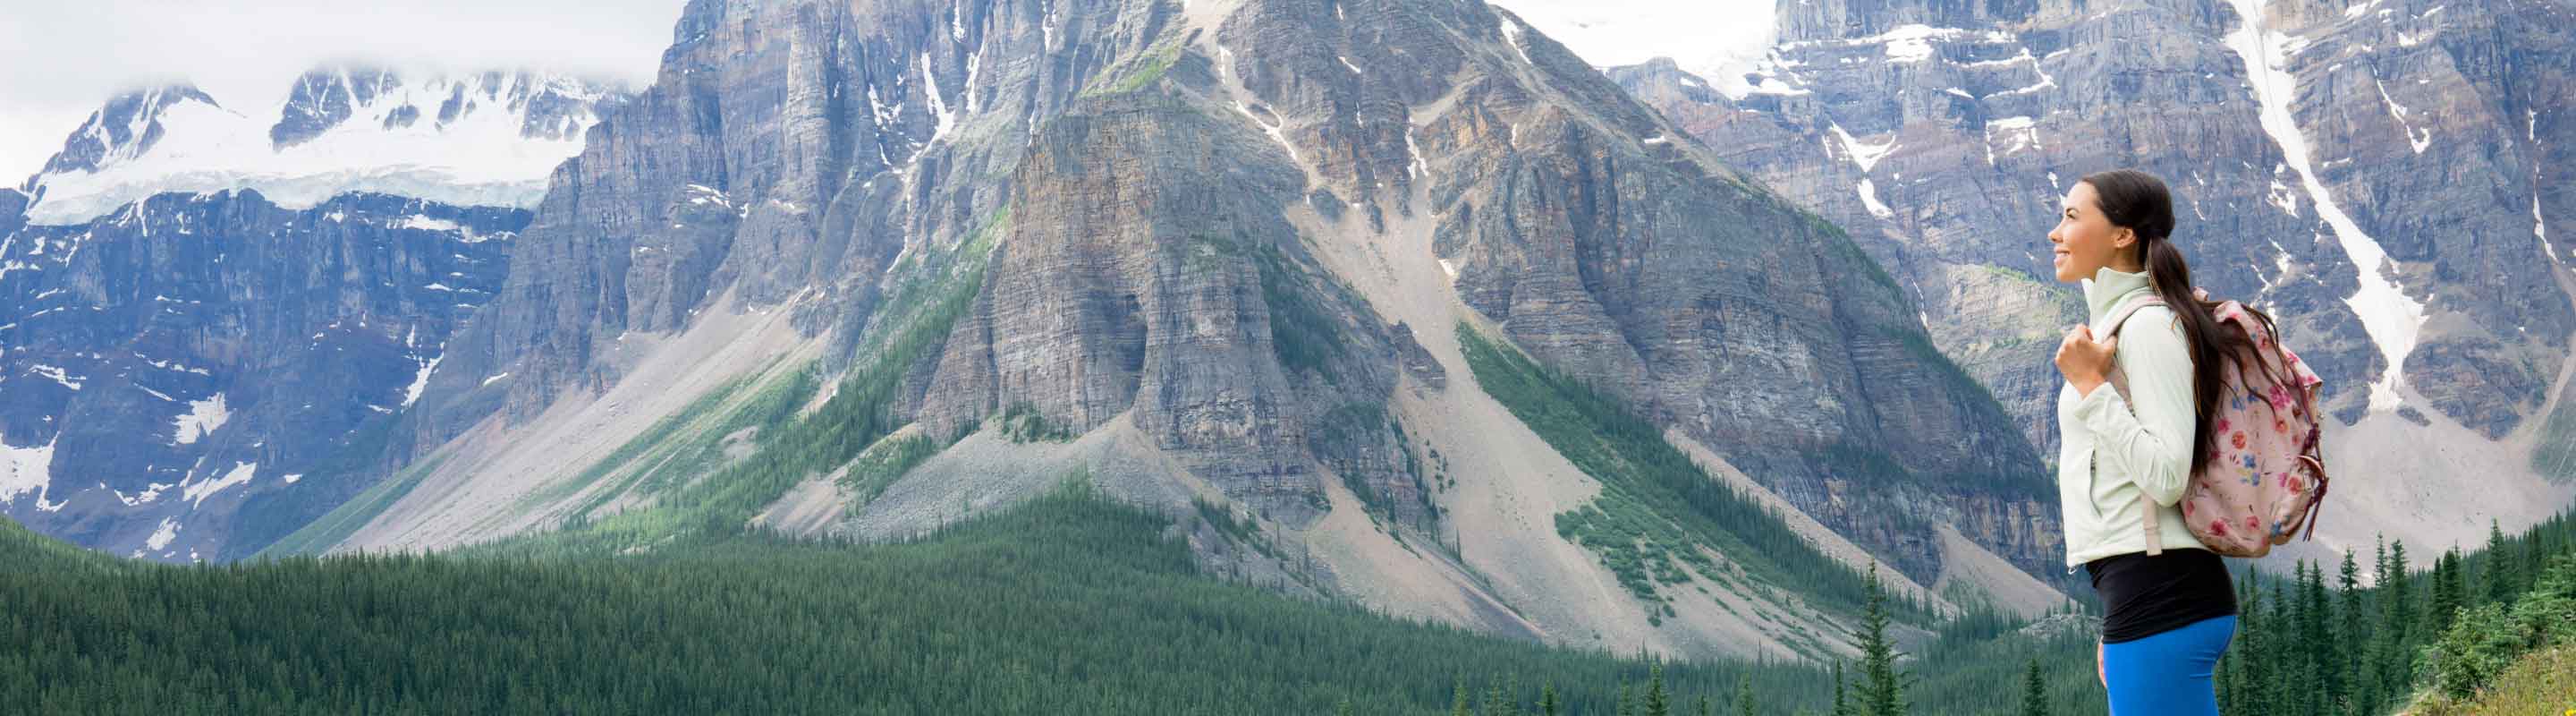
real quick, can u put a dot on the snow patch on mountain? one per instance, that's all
(488, 139)
(202, 418)
(24, 470)
(2390, 317)
(197, 493)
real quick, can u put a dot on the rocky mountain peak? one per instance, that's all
(128, 126)
(487, 138)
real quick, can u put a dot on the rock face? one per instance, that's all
(195, 375)
(2396, 114)
(2373, 180)
(1137, 166)
(1162, 208)
(195, 368)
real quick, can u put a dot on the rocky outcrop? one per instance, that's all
(1944, 138)
(197, 375)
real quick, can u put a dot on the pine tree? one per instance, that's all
(2317, 643)
(1882, 692)
(1842, 707)
(1547, 699)
(1657, 702)
(1743, 697)
(2396, 664)
(2502, 577)
(2349, 635)
(2446, 594)
(1627, 706)
(2252, 656)
(2034, 691)
(1458, 701)
(1345, 709)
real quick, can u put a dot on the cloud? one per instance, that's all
(1713, 38)
(61, 60)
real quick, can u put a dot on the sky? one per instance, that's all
(1717, 39)
(59, 60)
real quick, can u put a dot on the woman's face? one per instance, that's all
(2084, 240)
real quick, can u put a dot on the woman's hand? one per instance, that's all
(2085, 362)
(2098, 671)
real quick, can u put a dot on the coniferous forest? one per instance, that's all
(1073, 603)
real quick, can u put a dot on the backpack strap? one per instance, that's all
(2119, 382)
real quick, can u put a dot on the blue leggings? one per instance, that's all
(2168, 673)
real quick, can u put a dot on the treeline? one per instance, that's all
(1070, 603)
(2308, 648)
(2303, 648)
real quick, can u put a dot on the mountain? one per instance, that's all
(207, 365)
(176, 371)
(2378, 175)
(1415, 307)
(486, 139)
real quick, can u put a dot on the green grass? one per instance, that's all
(1657, 508)
(342, 521)
(1138, 72)
(2555, 459)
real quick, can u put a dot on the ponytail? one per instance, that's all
(2137, 200)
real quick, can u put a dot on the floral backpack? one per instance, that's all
(2264, 478)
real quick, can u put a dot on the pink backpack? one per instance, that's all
(2264, 478)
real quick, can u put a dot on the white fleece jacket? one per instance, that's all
(2120, 460)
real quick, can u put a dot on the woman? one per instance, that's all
(2125, 459)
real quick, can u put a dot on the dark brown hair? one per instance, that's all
(2138, 200)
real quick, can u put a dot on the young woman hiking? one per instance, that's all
(2125, 459)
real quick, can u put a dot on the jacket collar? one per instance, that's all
(2108, 288)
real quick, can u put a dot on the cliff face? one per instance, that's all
(196, 375)
(1154, 192)
(2374, 174)
(213, 316)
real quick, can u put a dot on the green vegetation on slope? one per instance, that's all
(1658, 511)
(2304, 647)
(1069, 603)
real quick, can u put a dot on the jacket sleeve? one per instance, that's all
(2147, 436)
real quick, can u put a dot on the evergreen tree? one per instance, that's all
(1743, 697)
(2349, 635)
(1882, 692)
(2252, 653)
(1842, 706)
(1345, 709)
(1458, 702)
(2397, 600)
(1547, 699)
(2446, 593)
(2034, 692)
(1657, 702)
(2317, 643)
(2502, 577)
